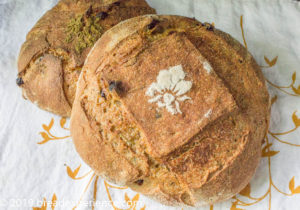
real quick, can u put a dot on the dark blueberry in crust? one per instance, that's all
(19, 81)
(89, 12)
(157, 115)
(102, 15)
(152, 24)
(112, 85)
(158, 30)
(139, 182)
(115, 85)
(210, 28)
(102, 94)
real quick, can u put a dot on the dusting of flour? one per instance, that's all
(169, 89)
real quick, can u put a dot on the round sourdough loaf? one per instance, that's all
(55, 49)
(173, 108)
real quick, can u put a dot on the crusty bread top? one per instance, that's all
(204, 162)
(168, 132)
(51, 30)
(67, 32)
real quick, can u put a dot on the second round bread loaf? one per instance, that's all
(55, 49)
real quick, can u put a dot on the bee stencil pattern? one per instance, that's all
(170, 89)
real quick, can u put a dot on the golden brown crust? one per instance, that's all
(170, 132)
(209, 166)
(46, 85)
(100, 156)
(53, 34)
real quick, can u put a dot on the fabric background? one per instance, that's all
(38, 163)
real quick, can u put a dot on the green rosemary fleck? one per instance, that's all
(83, 32)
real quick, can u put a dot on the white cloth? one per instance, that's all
(30, 172)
